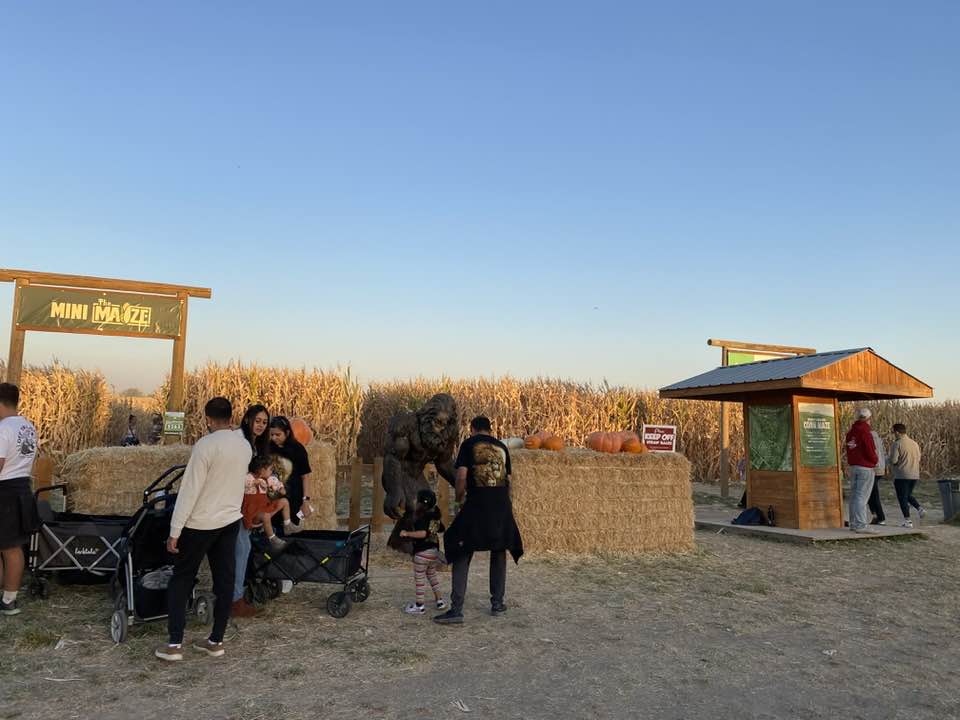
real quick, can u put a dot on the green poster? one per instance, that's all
(818, 435)
(771, 437)
(93, 311)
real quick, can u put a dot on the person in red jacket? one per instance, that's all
(862, 459)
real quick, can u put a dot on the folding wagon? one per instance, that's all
(312, 556)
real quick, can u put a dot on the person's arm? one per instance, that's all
(190, 485)
(413, 534)
(5, 448)
(461, 485)
(870, 449)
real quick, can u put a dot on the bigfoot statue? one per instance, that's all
(429, 435)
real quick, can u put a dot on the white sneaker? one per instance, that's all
(414, 609)
(906, 524)
(441, 604)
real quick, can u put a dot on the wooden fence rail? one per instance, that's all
(355, 472)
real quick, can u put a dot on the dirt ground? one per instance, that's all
(743, 627)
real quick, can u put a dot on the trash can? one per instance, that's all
(950, 497)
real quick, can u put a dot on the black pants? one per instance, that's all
(905, 496)
(876, 507)
(220, 547)
(498, 578)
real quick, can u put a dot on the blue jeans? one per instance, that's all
(861, 483)
(242, 553)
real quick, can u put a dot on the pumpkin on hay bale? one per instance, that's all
(301, 431)
(585, 502)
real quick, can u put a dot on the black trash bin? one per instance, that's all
(950, 497)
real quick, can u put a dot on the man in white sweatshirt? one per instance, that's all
(205, 522)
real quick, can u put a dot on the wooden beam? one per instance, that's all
(15, 356)
(376, 522)
(98, 283)
(175, 398)
(356, 478)
(734, 393)
(725, 441)
(761, 347)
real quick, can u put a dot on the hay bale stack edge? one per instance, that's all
(584, 502)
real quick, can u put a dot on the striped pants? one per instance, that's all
(425, 565)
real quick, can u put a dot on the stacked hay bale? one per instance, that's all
(111, 480)
(580, 501)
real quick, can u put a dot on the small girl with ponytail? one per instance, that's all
(427, 527)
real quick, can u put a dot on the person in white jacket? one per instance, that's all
(205, 522)
(879, 472)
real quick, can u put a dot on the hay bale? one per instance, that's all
(111, 480)
(323, 486)
(585, 502)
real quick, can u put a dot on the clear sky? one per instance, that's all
(581, 190)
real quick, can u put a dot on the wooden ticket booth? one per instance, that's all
(792, 435)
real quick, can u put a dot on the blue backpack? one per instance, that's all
(751, 516)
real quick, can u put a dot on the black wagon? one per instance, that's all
(334, 557)
(144, 567)
(74, 547)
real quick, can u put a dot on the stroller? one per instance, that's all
(77, 548)
(143, 571)
(313, 556)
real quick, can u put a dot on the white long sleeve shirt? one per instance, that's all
(211, 489)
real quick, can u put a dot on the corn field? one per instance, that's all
(75, 409)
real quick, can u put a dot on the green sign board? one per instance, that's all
(735, 357)
(818, 435)
(771, 437)
(91, 311)
(173, 423)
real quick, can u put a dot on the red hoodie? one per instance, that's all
(860, 448)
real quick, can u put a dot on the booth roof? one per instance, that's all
(855, 374)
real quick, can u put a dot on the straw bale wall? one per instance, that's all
(111, 480)
(584, 502)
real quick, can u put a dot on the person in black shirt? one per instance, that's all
(427, 527)
(485, 520)
(291, 464)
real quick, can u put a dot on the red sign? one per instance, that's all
(660, 438)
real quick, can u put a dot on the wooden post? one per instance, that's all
(356, 478)
(443, 498)
(15, 357)
(42, 472)
(175, 398)
(724, 442)
(376, 512)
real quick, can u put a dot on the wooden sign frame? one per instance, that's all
(24, 278)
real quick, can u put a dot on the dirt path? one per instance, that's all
(742, 628)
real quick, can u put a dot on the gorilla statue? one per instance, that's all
(429, 435)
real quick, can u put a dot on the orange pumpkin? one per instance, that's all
(633, 445)
(532, 442)
(553, 443)
(628, 435)
(605, 442)
(301, 431)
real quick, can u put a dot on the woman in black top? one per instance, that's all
(290, 462)
(253, 426)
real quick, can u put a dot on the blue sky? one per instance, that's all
(582, 190)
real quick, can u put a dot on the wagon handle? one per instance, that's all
(359, 530)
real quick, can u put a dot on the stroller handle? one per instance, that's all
(49, 488)
(152, 488)
(362, 530)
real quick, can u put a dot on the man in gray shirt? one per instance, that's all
(904, 462)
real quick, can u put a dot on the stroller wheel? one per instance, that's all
(272, 588)
(120, 602)
(203, 607)
(360, 592)
(118, 626)
(40, 588)
(258, 592)
(338, 604)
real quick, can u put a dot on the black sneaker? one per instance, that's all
(450, 617)
(498, 609)
(9, 608)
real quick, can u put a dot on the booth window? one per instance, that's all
(771, 437)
